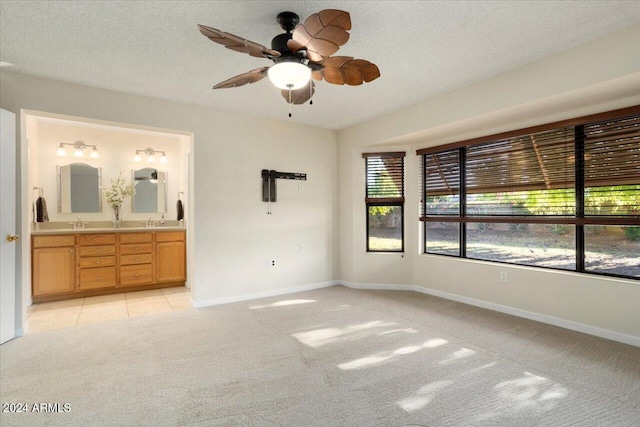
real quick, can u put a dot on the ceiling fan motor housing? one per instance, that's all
(288, 21)
(279, 43)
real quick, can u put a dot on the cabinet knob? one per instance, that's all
(71, 250)
(97, 262)
(136, 248)
(98, 278)
(136, 274)
(136, 258)
(97, 250)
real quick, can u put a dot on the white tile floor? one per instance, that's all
(63, 314)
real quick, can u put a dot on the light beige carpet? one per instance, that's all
(331, 357)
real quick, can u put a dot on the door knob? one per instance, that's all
(12, 238)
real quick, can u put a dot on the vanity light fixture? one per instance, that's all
(150, 153)
(78, 149)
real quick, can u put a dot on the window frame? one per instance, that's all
(579, 219)
(385, 201)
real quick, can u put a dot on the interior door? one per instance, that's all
(8, 237)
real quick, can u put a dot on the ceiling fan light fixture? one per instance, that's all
(289, 75)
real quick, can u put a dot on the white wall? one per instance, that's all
(233, 237)
(116, 147)
(566, 85)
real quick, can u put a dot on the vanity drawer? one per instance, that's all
(53, 241)
(103, 277)
(136, 274)
(142, 248)
(97, 250)
(135, 259)
(103, 261)
(170, 236)
(135, 238)
(96, 239)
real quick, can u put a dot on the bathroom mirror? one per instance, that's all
(79, 188)
(151, 190)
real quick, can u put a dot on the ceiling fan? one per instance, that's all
(302, 53)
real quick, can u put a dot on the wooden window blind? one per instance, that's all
(442, 183)
(385, 177)
(522, 175)
(612, 167)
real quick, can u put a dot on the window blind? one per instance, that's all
(612, 167)
(531, 174)
(442, 183)
(385, 177)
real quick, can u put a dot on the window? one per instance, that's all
(564, 196)
(384, 200)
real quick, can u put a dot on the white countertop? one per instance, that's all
(104, 230)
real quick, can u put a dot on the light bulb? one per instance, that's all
(78, 152)
(61, 151)
(94, 153)
(289, 75)
(163, 159)
(137, 157)
(151, 158)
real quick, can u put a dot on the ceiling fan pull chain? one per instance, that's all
(289, 101)
(310, 93)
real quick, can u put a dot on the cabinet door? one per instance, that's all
(53, 270)
(170, 262)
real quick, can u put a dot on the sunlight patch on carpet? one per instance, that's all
(319, 337)
(423, 396)
(529, 393)
(457, 355)
(385, 357)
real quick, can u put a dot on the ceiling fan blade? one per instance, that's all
(340, 70)
(300, 96)
(238, 44)
(322, 34)
(242, 79)
(317, 75)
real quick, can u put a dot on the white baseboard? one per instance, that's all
(543, 318)
(265, 294)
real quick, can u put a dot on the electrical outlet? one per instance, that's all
(300, 248)
(503, 276)
(272, 263)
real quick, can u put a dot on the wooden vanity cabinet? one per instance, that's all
(77, 265)
(53, 265)
(170, 257)
(97, 261)
(136, 259)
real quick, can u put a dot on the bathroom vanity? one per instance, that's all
(87, 262)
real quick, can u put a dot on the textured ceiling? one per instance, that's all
(423, 48)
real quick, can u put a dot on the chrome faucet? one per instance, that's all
(149, 223)
(78, 224)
